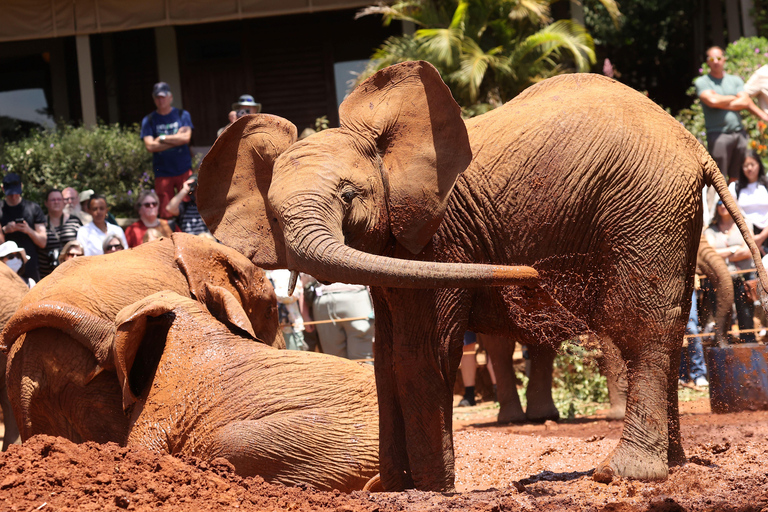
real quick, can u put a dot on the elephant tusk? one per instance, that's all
(292, 282)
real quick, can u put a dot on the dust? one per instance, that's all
(498, 468)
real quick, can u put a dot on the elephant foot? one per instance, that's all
(616, 412)
(541, 414)
(508, 415)
(629, 462)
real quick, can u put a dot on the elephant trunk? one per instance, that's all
(93, 332)
(320, 253)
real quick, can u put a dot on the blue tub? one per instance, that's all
(738, 377)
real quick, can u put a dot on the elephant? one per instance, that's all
(573, 205)
(193, 387)
(14, 289)
(540, 405)
(61, 373)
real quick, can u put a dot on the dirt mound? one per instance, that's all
(529, 467)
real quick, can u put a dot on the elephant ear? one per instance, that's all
(410, 114)
(140, 337)
(234, 290)
(233, 182)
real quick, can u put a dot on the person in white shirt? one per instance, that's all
(91, 236)
(751, 192)
(757, 86)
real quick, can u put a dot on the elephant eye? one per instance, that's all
(348, 196)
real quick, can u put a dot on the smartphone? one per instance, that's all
(19, 221)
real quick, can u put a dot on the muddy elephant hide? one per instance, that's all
(580, 177)
(61, 374)
(198, 389)
(14, 290)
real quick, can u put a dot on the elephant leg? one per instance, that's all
(541, 406)
(675, 452)
(393, 456)
(500, 352)
(615, 371)
(11, 435)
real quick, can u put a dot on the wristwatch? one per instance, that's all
(162, 138)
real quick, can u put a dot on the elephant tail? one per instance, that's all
(713, 177)
(93, 332)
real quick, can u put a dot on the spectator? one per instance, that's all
(757, 86)
(151, 235)
(72, 205)
(60, 227)
(184, 207)
(289, 314)
(147, 208)
(724, 236)
(23, 222)
(166, 133)
(468, 368)
(692, 367)
(232, 117)
(245, 105)
(71, 250)
(91, 236)
(723, 96)
(112, 243)
(16, 258)
(751, 192)
(337, 303)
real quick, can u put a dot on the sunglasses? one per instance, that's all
(114, 247)
(149, 205)
(716, 59)
(73, 254)
(12, 256)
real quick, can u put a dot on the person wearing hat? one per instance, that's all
(246, 105)
(23, 222)
(16, 258)
(166, 133)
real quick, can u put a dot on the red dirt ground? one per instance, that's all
(529, 467)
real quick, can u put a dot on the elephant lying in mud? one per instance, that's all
(540, 405)
(61, 373)
(196, 388)
(14, 290)
(580, 177)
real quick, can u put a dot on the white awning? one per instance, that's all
(40, 19)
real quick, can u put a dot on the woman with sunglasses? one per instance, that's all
(71, 250)
(148, 209)
(112, 244)
(15, 258)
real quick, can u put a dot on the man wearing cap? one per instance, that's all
(23, 222)
(166, 133)
(246, 105)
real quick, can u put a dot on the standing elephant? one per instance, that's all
(14, 289)
(196, 388)
(61, 373)
(540, 405)
(580, 177)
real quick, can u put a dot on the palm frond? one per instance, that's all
(536, 11)
(562, 35)
(440, 45)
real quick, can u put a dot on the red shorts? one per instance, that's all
(166, 188)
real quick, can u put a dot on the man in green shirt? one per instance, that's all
(723, 96)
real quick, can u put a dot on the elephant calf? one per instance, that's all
(196, 388)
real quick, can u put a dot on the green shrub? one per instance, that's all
(577, 386)
(109, 159)
(744, 57)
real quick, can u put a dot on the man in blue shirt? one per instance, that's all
(166, 133)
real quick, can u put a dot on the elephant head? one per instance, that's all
(61, 370)
(194, 387)
(333, 202)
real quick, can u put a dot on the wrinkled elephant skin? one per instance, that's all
(198, 389)
(14, 290)
(580, 177)
(61, 374)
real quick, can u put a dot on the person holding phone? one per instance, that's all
(23, 222)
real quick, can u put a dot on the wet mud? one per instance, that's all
(498, 468)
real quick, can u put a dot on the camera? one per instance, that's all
(193, 185)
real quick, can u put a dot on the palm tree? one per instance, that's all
(487, 51)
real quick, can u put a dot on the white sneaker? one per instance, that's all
(701, 382)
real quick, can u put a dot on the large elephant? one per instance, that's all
(61, 373)
(581, 177)
(14, 290)
(540, 405)
(196, 388)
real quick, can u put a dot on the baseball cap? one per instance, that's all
(161, 89)
(246, 100)
(12, 183)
